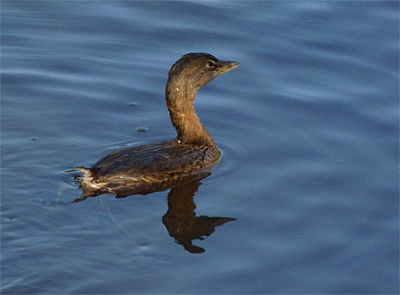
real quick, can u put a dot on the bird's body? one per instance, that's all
(147, 168)
(157, 166)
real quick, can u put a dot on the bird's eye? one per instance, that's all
(210, 64)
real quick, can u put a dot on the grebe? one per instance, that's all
(157, 166)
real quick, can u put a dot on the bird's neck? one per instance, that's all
(180, 99)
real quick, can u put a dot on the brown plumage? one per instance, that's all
(158, 166)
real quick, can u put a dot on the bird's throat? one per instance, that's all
(184, 118)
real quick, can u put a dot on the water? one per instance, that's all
(308, 127)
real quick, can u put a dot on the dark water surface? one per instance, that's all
(308, 127)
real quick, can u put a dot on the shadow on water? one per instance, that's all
(180, 220)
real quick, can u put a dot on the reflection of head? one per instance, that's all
(186, 228)
(193, 248)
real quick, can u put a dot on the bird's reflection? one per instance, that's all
(181, 220)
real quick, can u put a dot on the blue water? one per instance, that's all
(308, 127)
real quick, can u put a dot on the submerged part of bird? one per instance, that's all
(159, 166)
